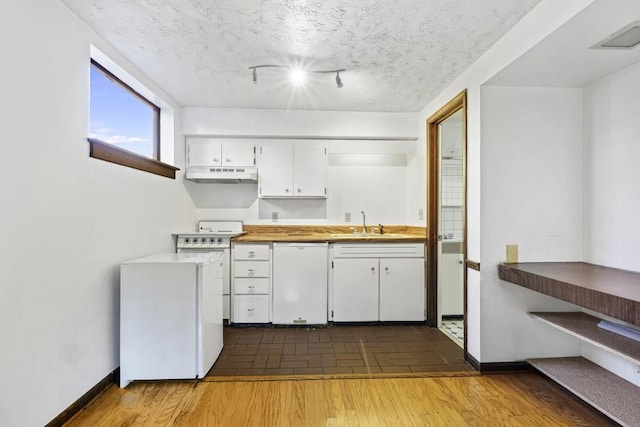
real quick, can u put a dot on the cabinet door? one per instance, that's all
(355, 290)
(310, 169)
(238, 153)
(451, 284)
(275, 170)
(203, 152)
(402, 295)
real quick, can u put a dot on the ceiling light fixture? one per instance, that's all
(625, 38)
(297, 74)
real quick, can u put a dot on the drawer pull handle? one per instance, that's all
(251, 309)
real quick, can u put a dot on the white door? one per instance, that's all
(203, 152)
(275, 173)
(238, 153)
(299, 283)
(355, 290)
(310, 169)
(451, 201)
(451, 280)
(402, 294)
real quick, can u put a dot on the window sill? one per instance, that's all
(110, 153)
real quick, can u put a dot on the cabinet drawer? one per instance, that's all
(251, 252)
(378, 250)
(251, 269)
(251, 309)
(244, 285)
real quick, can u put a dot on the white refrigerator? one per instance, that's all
(170, 316)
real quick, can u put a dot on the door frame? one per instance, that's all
(433, 215)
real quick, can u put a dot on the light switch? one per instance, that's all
(274, 216)
(347, 217)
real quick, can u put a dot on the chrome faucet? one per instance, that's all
(364, 223)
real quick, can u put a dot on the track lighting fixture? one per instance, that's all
(297, 74)
(338, 80)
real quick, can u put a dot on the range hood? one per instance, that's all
(228, 175)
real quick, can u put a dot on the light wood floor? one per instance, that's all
(490, 400)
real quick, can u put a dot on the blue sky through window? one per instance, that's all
(118, 117)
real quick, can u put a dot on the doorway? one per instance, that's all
(446, 223)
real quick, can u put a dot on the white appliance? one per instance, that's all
(170, 316)
(213, 236)
(300, 283)
(222, 174)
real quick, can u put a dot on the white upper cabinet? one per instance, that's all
(219, 152)
(293, 169)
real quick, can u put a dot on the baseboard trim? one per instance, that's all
(75, 407)
(496, 367)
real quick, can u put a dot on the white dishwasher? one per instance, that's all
(170, 316)
(300, 283)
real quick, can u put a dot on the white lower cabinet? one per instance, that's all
(402, 295)
(451, 284)
(251, 284)
(355, 290)
(372, 282)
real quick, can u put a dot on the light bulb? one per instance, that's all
(298, 76)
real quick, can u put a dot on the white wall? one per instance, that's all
(541, 21)
(612, 150)
(369, 164)
(68, 219)
(531, 185)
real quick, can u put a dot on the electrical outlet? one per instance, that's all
(420, 213)
(512, 254)
(274, 216)
(347, 217)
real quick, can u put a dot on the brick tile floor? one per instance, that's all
(337, 350)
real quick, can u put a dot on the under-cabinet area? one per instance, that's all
(313, 283)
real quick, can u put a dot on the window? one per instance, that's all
(124, 126)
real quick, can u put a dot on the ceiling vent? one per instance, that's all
(626, 38)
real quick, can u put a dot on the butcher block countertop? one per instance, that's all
(331, 234)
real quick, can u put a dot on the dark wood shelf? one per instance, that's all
(585, 327)
(613, 396)
(605, 290)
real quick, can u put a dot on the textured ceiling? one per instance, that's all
(398, 54)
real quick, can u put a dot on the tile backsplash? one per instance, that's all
(452, 221)
(452, 194)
